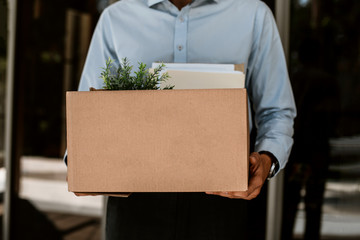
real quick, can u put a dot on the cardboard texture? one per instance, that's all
(157, 141)
(239, 67)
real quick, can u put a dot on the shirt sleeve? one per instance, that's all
(269, 89)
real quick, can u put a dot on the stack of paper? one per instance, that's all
(203, 76)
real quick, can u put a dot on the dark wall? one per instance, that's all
(39, 73)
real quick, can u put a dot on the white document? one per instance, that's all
(198, 67)
(202, 76)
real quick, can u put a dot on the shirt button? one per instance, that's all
(181, 19)
(180, 47)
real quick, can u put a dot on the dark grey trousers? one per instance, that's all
(175, 216)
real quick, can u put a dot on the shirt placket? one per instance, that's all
(180, 36)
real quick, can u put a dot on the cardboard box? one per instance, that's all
(157, 141)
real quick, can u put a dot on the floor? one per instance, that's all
(341, 212)
(46, 203)
(44, 183)
(341, 208)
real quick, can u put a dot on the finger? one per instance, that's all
(254, 194)
(232, 195)
(217, 193)
(246, 195)
(255, 161)
(255, 185)
(222, 194)
(240, 195)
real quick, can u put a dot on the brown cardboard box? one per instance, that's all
(157, 141)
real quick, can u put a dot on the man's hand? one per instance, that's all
(259, 170)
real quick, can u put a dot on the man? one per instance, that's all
(199, 31)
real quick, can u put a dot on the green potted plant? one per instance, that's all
(142, 79)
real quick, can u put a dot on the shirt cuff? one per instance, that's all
(281, 155)
(273, 161)
(65, 158)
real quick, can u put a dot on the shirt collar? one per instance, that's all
(153, 2)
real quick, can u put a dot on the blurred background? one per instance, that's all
(43, 45)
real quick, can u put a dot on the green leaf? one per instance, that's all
(122, 79)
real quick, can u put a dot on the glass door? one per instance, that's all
(52, 41)
(3, 44)
(322, 179)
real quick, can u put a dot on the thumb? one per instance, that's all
(254, 159)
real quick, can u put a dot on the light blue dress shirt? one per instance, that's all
(206, 31)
